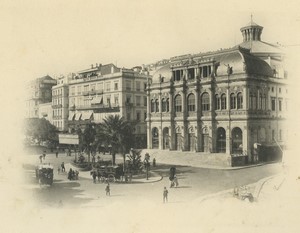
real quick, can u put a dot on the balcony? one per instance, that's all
(85, 93)
(128, 105)
(56, 106)
(97, 108)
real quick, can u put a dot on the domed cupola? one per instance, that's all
(252, 32)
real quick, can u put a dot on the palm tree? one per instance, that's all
(88, 138)
(117, 133)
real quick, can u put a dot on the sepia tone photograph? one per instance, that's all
(150, 116)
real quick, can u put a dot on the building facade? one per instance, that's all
(103, 90)
(60, 103)
(220, 102)
(38, 92)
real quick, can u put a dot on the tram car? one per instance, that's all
(44, 174)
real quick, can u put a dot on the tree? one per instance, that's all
(117, 133)
(88, 138)
(40, 129)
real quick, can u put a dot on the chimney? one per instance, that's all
(92, 66)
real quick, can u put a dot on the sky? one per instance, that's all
(57, 37)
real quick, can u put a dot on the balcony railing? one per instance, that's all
(57, 106)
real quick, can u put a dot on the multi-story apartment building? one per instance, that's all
(225, 101)
(103, 90)
(60, 103)
(38, 92)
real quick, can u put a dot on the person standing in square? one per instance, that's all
(165, 195)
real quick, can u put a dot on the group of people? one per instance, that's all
(73, 174)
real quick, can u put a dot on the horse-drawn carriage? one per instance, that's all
(108, 173)
(44, 174)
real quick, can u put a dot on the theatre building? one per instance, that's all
(225, 101)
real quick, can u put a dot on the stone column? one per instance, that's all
(184, 114)
(160, 127)
(149, 132)
(199, 113)
(172, 128)
(245, 98)
(228, 140)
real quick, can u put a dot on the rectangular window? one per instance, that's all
(116, 86)
(145, 116)
(280, 105)
(145, 86)
(78, 90)
(273, 102)
(145, 101)
(138, 86)
(138, 115)
(107, 86)
(205, 71)
(128, 99)
(128, 85)
(72, 90)
(279, 89)
(100, 86)
(138, 101)
(116, 100)
(86, 88)
(93, 87)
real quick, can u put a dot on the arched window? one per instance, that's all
(239, 100)
(178, 103)
(152, 106)
(259, 101)
(156, 106)
(263, 102)
(232, 101)
(191, 103)
(217, 102)
(223, 101)
(205, 102)
(167, 105)
(163, 105)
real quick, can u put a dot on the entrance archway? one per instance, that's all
(221, 140)
(237, 141)
(166, 144)
(155, 136)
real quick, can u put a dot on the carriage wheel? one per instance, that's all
(111, 178)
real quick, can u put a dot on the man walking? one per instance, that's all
(165, 195)
(107, 189)
(63, 169)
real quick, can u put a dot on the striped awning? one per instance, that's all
(71, 117)
(97, 100)
(86, 116)
(77, 116)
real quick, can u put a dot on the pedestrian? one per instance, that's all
(70, 174)
(165, 195)
(76, 175)
(94, 174)
(56, 154)
(154, 162)
(107, 189)
(63, 169)
(41, 157)
(44, 154)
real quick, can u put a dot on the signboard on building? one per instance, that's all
(71, 139)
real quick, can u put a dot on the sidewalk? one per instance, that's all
(193, 159)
